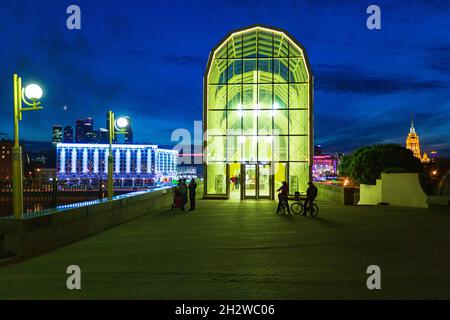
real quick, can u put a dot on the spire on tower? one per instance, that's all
(412, 129)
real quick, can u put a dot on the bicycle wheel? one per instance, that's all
(297, 208)
(314, 210)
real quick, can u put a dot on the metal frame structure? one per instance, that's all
(258, 108)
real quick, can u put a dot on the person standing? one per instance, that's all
(192, 187)
(182, 189)
(283, 197)
(311, 194)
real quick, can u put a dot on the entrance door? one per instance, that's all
(257, 181)
(264, 181)
(250, 183)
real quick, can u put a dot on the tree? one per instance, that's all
(366, 164)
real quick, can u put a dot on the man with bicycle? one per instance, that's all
(283, 197)
(311, 194)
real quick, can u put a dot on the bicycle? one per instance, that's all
(298, 206)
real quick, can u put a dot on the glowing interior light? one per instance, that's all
(276, 105)
(240, 112)
(121, 122)
(269, 139)
(241, 139)
(33, 91)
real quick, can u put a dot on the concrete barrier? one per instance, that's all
(397, 189)
(21, 239)
(337, 193)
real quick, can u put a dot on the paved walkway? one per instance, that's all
(243, 250)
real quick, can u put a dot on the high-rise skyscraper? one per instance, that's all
(68, 134)
(57, 135)
(84, 131)
(103, 135)
(79, 131)
(412, 141)
(413, 144)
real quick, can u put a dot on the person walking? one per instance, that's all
(192, 186)
(311, 194)
(182, 189)
(283, 197)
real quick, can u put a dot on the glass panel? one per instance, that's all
(298, 148)
(280, 46)
(235, 47)
(217, 72)
(264, 44)
(280, 122)
(234, 149)
(298, 71)
(265, 70)
(249, 96)
(265, 96)
(216, 178)
(280, 148)
(250, 148)
(298, 177)
(216, 148)
(250, 74)
(217, 97)
(264, 122)
(264, 180)
(216, 122)
(234, 71)
(281, 96)
(250, 122)
(298, 96)
(294, 51)
(298, 122)
(250, 180)
(234, 122)
(249, 48)
(279, 174)
(265, 148)
(280, 70)
(234, 96)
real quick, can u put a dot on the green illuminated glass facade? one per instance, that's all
(257, 111)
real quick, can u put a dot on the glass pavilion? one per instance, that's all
(257, 115)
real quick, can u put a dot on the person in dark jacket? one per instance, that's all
(283, 197)
(192, 186)
(311, 194)
(182, 189)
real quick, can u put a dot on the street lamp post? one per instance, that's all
(115, 128)
(33, 92)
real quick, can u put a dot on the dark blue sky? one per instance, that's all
(146, 59)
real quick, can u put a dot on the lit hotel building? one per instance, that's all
(131, 161)
(257, 115)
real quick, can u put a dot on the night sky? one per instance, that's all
(146, 59)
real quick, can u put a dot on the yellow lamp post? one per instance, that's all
(33, 92)
(116, 127)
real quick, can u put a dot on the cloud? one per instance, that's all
(183, 59)
(352, 79)
(439, 57)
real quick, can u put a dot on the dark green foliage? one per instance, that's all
(366, 164)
